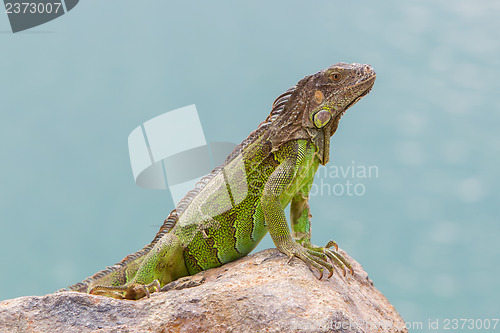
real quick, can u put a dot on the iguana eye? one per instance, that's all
(335, 76)
(321, 118)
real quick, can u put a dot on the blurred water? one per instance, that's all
(426, 228)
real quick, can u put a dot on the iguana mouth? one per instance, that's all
(363, 94)
(354, 101)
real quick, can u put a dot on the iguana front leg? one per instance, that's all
(300, 216)
(275, 187)
(300, 220)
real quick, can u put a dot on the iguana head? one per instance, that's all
(330, 93)
(312, 109)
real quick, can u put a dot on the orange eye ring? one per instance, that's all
(335, 76)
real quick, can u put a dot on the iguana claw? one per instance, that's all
(332, 243)
(324, 252)
(335, 256)
(310, 257)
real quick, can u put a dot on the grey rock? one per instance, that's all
(258, 293)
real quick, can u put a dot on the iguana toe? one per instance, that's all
(335, 257)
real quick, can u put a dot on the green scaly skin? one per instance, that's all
(231, 209)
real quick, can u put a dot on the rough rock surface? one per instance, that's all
(258, 293)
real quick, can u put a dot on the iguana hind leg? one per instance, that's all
(163, 264)
(129, 291)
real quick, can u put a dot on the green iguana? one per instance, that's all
(230, 210)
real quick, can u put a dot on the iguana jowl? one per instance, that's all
(231, 209)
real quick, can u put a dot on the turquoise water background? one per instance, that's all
(426, 227)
